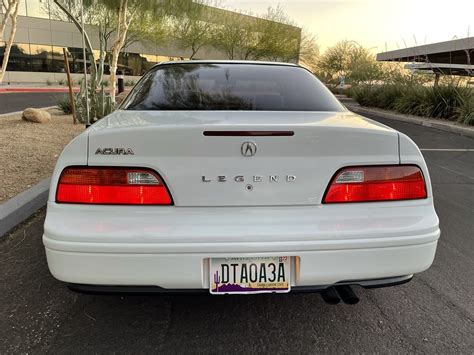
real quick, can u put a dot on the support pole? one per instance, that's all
(69, 82)
(85, 63)
(120, 81)
(436, 82)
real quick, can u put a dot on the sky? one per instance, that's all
(377, 24)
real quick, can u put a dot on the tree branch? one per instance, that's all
(76, 22)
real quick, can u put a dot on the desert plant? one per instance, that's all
(100, 104)
(130, 83)
(381, 96)
(104, 83)
(61, 81)
(449, 98)
(465, 112)
(415, 100)
(451, 101)
(49, 82)
(64, 104)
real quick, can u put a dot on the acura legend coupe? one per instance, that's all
(236, 177)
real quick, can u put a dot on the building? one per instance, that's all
(37, 53)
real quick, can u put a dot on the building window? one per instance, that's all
(19, 57)
(57, 57)
(76, 62)
(41, 58)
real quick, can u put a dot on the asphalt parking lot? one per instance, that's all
(432, 314)
(15, 101)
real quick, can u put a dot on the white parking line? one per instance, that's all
(445, 150)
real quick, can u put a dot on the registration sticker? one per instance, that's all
(250, 275)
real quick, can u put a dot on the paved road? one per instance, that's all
(432, 314)
(12, 102)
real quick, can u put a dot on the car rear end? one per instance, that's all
(238, 178)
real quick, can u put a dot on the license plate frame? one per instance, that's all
(260, 279)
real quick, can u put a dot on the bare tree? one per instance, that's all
(10, 12)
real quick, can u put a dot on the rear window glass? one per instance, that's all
(248, 87)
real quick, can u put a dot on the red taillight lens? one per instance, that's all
(376, 183)
(112, 186)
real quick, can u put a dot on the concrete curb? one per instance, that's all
(18, 208)
(427, 122)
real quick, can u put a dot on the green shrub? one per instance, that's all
(448, 99)
(414, 100)
(451, 101)
(130, 83)
(49, 82)
(465, 112)
(372, 95)
(61, 81)
(104, 83)
(64, 104)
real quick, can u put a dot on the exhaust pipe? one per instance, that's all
(347, 294)
(330, 296)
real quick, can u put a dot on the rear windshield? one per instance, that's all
(247, 87)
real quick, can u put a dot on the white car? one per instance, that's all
(238, 177)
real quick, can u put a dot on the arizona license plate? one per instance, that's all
(250, 275)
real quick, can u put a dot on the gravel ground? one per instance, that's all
(28, 151)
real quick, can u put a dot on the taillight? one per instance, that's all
(112, 186)
(376, 183)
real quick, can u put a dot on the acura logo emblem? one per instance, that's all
(248, 149)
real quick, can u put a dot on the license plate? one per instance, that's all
(250, 275)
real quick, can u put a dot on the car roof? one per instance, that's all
(252, 62)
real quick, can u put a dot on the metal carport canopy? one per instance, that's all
(458, 51)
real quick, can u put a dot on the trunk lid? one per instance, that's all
(209, 170)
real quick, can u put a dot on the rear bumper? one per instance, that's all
(191, 271)
(147, 290)
(170, 248)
